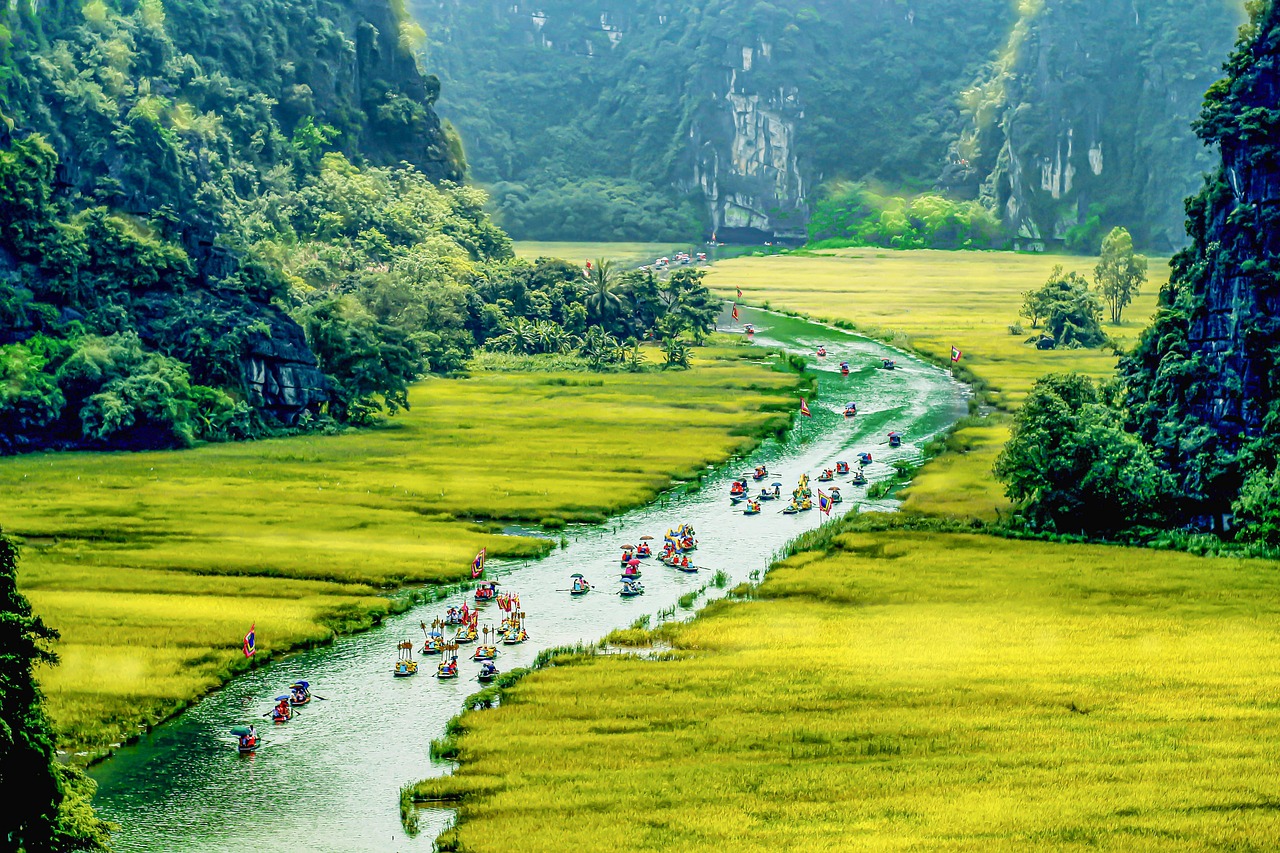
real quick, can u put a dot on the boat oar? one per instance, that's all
(321, 698)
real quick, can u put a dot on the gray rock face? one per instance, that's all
(281, 374)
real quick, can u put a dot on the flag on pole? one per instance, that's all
(739, 292)
(804, 409)
(955, 355)
(824, 503)
(477, 565)
(250, 646)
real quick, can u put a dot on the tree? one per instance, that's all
(1120, 273)
(1070, 310)
(1257, 509)
(45, 805)
(677, 352)
(1071, 467)
(604, 302)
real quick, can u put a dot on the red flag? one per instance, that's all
(804, 409)
(955, 355)
(250, 646)
(735, 310)
(739, 292)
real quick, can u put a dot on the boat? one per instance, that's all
(299, 693)
(864, 458)
(844, 368)
(488, 672)
(737, 499)
(859, 479)
(283, 712)
(514, 638)
(822, 352)
(466, 634)
(486, 591)
(766, 496)
(850, 410)
(806, 505)
(247, 739)
(578, 586)
(752, 509)
(689, 569)
(842, 468)
(790, 509)
(405, 664)
(447, 669)
(826, 476)
(835, 495)
(631, 588)
(760, 474)
(888, 364)
(895, 439)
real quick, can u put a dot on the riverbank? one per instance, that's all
(927, 302)
(153, 565)
(892, 687)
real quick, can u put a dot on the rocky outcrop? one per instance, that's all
(1083, 121)
(281, 374)
(1204, 384)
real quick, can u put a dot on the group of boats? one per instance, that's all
(467, 629)
(678, 543)
(286, 708)
(801, 495)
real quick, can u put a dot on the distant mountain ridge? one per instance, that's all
(633, 120)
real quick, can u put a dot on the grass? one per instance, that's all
(908, 690)
(929, 301)
(933, 300)
(153, 565)
(626, 254)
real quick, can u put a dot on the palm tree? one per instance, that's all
(605, 301)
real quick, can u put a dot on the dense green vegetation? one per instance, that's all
(47, 803)
(852, 215)
(1190, 434)
(593, 120)
(648, 120)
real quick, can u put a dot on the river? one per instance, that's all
(329, 780)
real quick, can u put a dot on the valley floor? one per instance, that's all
(898, 689)
(892, 685)
(154, 565)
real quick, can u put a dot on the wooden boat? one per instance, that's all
(246, 742)
(835, 496)
(447, 669)
(487, 674)
(842, 468)
(580, 590)
(689, 569)
(278, 717)
(753, 509)
(859, 479)
(515, 638)
(790, 509)
(760, 474)
(824, 477)
(486, 591)
(631, 590)
(485, 653)
(405, 664)
(299, 693)
(895, 439)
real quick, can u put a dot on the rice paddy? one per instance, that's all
(154, 565)
(625, 254)
(933, 300)
(930, 301)
(907, 690)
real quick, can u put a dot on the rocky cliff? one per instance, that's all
(1083, 121)
(174, 121)
(1068, 116)
(1204, 384)
(742, 106)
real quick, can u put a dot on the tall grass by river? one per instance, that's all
(153, 565)
(908, 690)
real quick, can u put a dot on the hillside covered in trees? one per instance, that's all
(795, 119)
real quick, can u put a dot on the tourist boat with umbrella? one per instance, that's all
(895, 439)
(578, 584)
(850, 409)
(299, 693)
(631, 588)
(433, 640)
(283, 711)
(405, 664)
(488, 672)
(247, 739)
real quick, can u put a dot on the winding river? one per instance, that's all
(329, 780)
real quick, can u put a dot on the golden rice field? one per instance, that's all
(153, 565)
(933, 300)
(625, 254)
(929, 301)
(908, 690)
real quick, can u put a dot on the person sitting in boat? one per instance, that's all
(644, 550)
(864, 458)
(842, 467)
(281, 711)
(299, 693)
(822, 350)
(488, 668)
(684, 562)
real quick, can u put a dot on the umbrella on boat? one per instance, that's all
(282, 698)
(576, 575)
(628, 547)
(779, 485)
(633, 563)
(240, 731)
(646, 538)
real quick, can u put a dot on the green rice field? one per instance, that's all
(153, 565)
